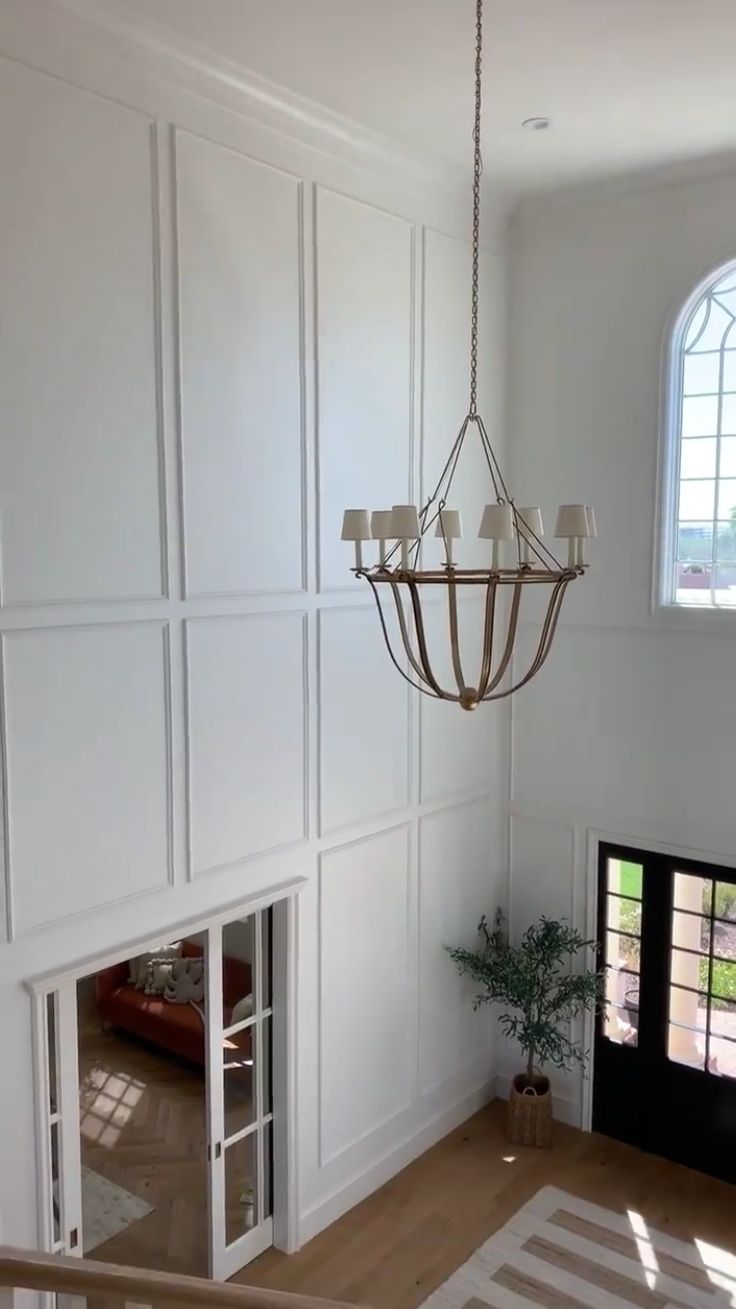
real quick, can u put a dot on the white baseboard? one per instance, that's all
(327, 1211)
(565, 1108)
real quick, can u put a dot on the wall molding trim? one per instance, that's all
(345, 1197)
(274, 106)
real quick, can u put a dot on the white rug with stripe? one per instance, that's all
(559, 1252)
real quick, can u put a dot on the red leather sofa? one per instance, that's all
(175, 1027)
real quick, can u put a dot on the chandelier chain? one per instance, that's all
(477, 171)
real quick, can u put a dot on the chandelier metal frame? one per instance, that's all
(398, 583)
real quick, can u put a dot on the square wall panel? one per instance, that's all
(246, 736)
(543, 872)
(88, 767)
(240, 234)
(459, 880)
(365, 311)
(364, 721)
(80, 515)
(367, 1048)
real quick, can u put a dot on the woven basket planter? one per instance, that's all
(529, 1116)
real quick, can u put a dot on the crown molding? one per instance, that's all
(197, 69)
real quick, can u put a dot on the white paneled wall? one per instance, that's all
(629, 730)
(213, 338)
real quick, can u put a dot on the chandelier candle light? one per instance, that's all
(516, 561)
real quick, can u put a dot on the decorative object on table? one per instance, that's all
(559, 1250)
(535, 980)
(400, 582)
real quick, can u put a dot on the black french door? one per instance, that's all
(664, 1075)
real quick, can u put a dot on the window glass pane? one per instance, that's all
(624, 915)
(623, 951)
(240, 1188)
(697, 500)
(729, 370)
(238, 954)
(708, 326)
(624, 878)
(726, 497)
(693, 893)
(698, 457)
(727, 466)
(237, 1080)
(728, 416)
(690, 932)
(695, 541)
(724, 905)
(724, 584)
(700, 415)
(701, 374)
(688, 1009)
(621, 1025)
(723, 979)
(726, 542)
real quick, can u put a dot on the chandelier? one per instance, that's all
(516, 560)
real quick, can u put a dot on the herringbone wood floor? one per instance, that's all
(142, 1117)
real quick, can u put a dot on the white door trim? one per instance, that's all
(285, 1146)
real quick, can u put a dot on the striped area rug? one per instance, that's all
(560, 1252)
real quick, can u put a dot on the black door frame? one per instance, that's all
(649, 1056)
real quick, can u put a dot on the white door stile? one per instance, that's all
(215, 1105)
(70, 1164)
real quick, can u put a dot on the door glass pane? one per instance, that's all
(723, 979)
(240, 1187)
(238, 958)
(621, 1025)
(686, 1036)
(624, 915)
(624, 878)
(238, 1084)
(724, 905)
(693, 893)
(689, 970)
(722, 1060)
(52, 1054)
(267, 1075)
(690, 931)
(268, 1169)
(623, 951)
(56, 1183)
(267, 957)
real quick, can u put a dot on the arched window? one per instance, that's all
(699, 493)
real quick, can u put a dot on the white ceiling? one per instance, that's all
(629, 84)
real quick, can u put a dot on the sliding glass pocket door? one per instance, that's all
(239, 1092)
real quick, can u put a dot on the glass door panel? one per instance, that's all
(702, 992)
(56, 1018)
(240, 1091)
(622, 950)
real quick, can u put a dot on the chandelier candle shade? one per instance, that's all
(516, 561)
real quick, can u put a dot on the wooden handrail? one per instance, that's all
(34, 1270)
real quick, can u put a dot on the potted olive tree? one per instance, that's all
(539, 994)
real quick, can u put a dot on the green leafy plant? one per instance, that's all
(535, 981)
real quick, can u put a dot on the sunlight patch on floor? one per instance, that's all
(646, 1250)
(109, 1101)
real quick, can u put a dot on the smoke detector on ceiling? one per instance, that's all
(537, 124)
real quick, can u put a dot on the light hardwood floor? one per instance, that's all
(395, 1248)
